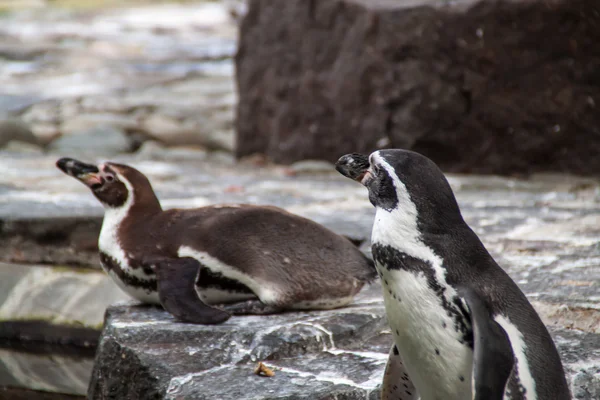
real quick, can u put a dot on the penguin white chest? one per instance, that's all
(438, 363)
(133, 281)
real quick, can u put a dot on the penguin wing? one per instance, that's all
(396, 382)
(177, 293)
(493, 358)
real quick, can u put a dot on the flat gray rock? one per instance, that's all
(315, 355)
(54, 304)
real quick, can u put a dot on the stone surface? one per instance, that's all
(206, 362)
(101, 141)
(63, 240)
(15, 130)
(54, 304)
(315, 355)
(477, 86)
(17, 146)
(50, 369)
(154, 71)
(10, 393)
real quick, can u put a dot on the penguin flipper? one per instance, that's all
(177, 294)
(396, 382)
(493, 359)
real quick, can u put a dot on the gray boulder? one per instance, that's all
(478, 86)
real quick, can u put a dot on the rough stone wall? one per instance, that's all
(479, 86)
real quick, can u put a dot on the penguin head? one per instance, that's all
(403, 181)
(114, 185)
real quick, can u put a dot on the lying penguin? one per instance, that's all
(187, 260)
(462, 328)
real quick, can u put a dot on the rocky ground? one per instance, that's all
(153, 87)
(543, 231)
(106, 81)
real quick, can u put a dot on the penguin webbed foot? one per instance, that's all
(177, 294)
(251, 307)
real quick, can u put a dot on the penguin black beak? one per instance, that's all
(354, 166)
(86, 173)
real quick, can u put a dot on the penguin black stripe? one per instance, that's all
(390, 258)
(111, 265)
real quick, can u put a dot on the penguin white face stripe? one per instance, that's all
(398, 228)
(518, 347)
(108, 242)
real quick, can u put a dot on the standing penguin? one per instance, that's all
(187, 260)
(462, 328)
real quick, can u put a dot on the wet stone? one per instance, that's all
(315, 355)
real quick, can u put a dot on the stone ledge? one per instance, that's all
(51, 240)
(315, 355)
(174, 359)
(57, 371)
(54, 304)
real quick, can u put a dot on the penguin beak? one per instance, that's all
(86, 173)
(354, 166)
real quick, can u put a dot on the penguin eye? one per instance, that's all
(109, 178)
(376, 169)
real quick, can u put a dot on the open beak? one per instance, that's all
(87, 173)
(354, 166)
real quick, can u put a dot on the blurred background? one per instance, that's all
(94, 80)
(227, 101)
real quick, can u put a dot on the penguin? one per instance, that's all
(462, 328)
(262, 259)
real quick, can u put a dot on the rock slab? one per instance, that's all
(315, 354)
(338, 354)
(478, 86)
(54, 304)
